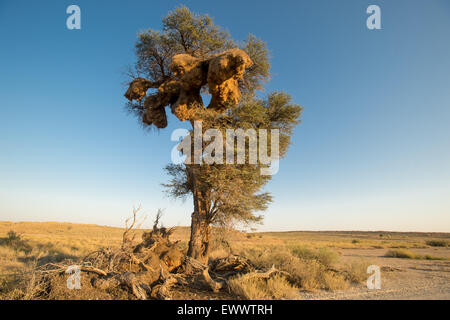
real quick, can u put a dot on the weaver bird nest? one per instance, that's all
(220, 73)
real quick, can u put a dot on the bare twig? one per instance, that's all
(125, 237)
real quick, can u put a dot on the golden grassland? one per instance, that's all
(312, 259)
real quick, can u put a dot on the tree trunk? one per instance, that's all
(200, 229)
(200, 222)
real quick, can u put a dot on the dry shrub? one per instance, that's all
(399, 253)
(356, 271)
(312, 275)
(325, 256)
(431, 257)
(250, 289)
(280, 288)
(265, 257)
(437, 243)
(335, 281)
(14, 240)
(220, 243)
(276, 287)
(405, 254)
(218, 254)
(14, 294)
(308, 274)
(303, 252)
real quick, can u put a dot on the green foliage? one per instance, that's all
(259, 72)
(234, 190)
(194, 34)
(183, 32)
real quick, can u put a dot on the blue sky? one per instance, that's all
(372, 152)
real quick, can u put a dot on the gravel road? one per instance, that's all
(400, 278)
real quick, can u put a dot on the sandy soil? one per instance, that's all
(400, 278)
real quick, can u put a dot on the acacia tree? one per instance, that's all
(222, 193)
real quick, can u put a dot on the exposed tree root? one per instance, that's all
(214, 285)
(150, 269)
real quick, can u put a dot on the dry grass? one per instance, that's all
(354, 239)
(276, 287)
(357, 270)
(406, 254)
(307, 269)
(325, 256)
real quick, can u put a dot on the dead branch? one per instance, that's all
(215, 286)
(141, 263)
(137, 287)
(125, 236)
(193, 266)
(158, 217)
(231, 265)
(93, 269)
(163, 291)
(263, 275)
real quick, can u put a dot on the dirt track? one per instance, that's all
(400, 278)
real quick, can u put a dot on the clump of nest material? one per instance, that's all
(151, 269)
(221, 73)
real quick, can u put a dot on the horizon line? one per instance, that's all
(269, 231)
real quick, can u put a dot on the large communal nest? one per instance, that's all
(220, 73)
(150, 269)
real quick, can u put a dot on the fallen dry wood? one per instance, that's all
(127, 279)
(93, 269)
(214, 285)
(263, 275)
(162, 292)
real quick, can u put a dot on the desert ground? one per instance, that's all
(328, 265)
